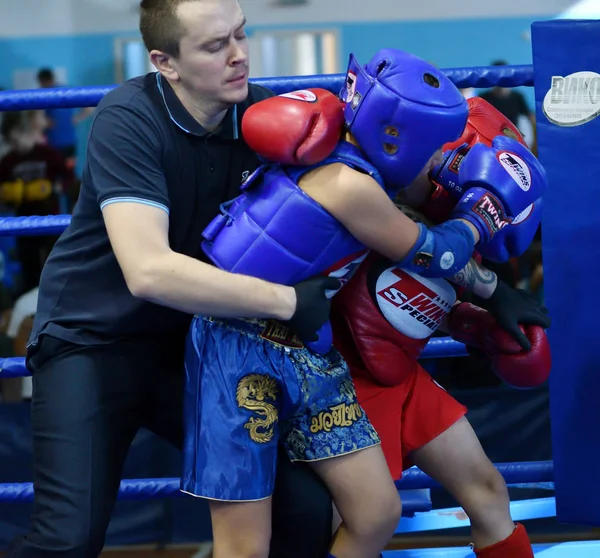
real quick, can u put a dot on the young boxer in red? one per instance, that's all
(382, 320)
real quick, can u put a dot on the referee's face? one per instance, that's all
(213, 61)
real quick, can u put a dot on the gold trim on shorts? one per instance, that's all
(334, 456)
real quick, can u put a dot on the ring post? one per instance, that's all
(566, 63)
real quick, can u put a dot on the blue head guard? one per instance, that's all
(401, 110)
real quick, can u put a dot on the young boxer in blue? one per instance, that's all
(252, 383)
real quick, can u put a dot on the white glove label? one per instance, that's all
(523, 215)
(413, 305)
(301, 95)
(517, 168)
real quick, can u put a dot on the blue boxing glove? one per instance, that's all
(446, 174)
(514, 239)
(499, 183)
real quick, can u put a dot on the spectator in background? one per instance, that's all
(513, 105)
(532, 270)
(4, 147)
(33, 177)
(9, 389)
(15, 390)
(536, 282)
(61, 131)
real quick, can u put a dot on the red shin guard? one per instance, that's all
(517, 545)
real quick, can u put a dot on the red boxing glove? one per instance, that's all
(391, 315)
(476, 328)
(438, 206)
(298, 128)
(484, 124)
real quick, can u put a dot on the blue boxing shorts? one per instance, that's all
(250, 384)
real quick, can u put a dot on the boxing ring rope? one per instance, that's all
(515, 474)
(445, 347)
(150, 489)
(75, 97)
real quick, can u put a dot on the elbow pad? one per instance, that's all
(441, 251)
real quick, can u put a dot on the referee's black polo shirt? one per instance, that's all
(144, 146)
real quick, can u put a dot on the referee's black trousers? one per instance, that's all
(88, 404)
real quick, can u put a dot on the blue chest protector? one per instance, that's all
(276, 232)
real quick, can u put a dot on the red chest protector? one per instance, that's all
(386, 316)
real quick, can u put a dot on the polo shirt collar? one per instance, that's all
(228, 129)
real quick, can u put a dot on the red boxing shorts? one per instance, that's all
(407, 416)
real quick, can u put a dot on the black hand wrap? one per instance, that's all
(312, 306)
(511, 307)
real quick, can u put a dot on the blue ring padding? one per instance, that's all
(576, 549)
